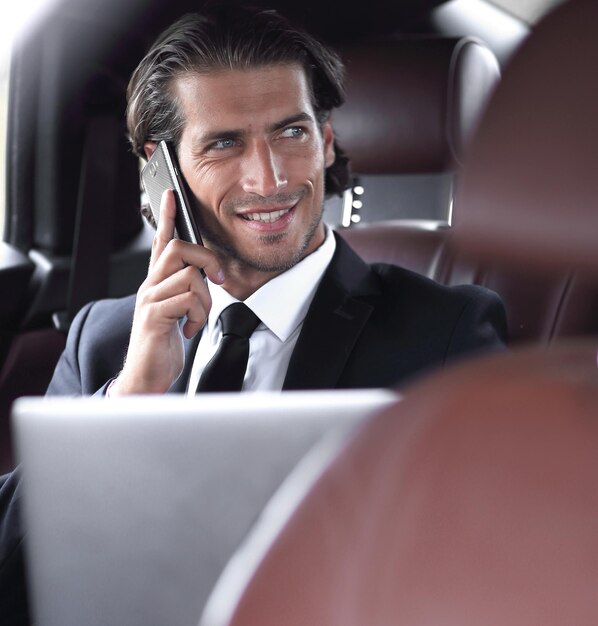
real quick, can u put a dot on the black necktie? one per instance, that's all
(226, 369)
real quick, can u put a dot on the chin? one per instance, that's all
(273, 261)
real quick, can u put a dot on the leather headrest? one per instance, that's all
(413, 102)
(529, 190)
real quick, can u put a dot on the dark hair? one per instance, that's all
(229, 38)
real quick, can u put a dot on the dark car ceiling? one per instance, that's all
(334, 20)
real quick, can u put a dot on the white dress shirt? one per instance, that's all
(281, 304)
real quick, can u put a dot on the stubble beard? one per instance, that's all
(275, 260)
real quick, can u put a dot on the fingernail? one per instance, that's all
(220, 276)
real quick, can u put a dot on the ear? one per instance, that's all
(328, 136)
(148, 148)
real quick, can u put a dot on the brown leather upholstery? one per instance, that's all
(473, 501)
(421, 248)
(542, 305)
(492, 203)
(412, 103)
(438, 89)
(579, 308)
(531, 176)
(527, 198)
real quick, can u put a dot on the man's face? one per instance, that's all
(254, 157)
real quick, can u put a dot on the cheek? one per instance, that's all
(309, 166)
(318, 172)
(212, 184)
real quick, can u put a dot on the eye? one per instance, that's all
(294, 132)
(222, 144)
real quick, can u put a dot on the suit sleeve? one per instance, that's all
(95, 348)
(14, 606)
(67, 375)
(481, 325)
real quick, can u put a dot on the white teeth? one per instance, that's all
(272, 216)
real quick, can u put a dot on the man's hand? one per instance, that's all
(174, 288)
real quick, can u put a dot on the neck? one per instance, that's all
(242, 280)
(241, 285)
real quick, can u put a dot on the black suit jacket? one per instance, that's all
(368, 326)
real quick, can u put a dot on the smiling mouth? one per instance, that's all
(267, 217)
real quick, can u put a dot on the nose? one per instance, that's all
(263, 170)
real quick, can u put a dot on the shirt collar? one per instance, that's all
(282, 303)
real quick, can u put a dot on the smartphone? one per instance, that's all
(162, 172)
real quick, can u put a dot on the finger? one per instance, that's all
(213, 270)
(158, 318)
(185, 280)
(177, 255)
(197, 314)
(165, 228)
(203, 259)
(191, 327)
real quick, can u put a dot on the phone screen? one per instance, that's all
(162, 172)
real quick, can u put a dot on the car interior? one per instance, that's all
(469, 125)
(428, 65)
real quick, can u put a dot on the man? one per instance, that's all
(247, 110)
(245, 99)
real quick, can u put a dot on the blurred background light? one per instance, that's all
(16, 17)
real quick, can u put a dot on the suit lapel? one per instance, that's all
(333, 323)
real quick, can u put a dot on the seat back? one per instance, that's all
(418, 246)
(470, 502)
(411, 106)
(531, 175)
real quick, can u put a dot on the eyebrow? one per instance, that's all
(236, 133)
(293, 119)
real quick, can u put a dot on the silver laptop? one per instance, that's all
(133, 506)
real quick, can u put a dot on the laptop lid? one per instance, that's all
(134, 505)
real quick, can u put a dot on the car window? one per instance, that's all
(15, 19)
(528, 10)
(4, 71)
(8, 28)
